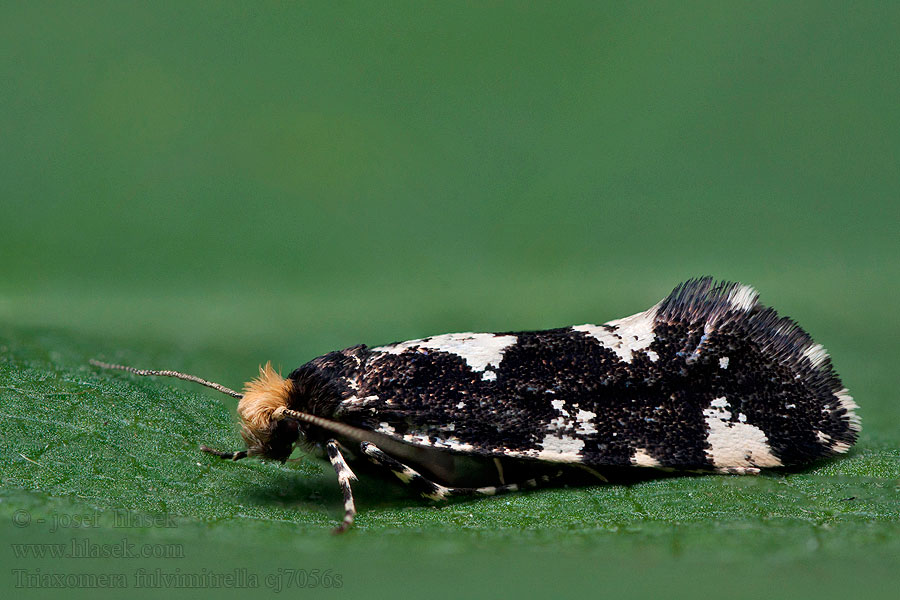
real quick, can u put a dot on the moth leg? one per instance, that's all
(238, 455)
(436, 491)
(593, 472)
(344, 475)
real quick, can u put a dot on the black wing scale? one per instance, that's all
(706, 378)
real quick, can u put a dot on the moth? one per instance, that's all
(708, 380)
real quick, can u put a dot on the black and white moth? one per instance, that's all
(708, 379)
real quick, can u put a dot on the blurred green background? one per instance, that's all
(206, 186)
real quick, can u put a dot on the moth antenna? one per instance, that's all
(150, 372)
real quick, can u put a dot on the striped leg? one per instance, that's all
(435, 491)
(238, 455)
(344, 475)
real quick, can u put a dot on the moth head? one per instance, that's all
(266, 431)
(269, 428)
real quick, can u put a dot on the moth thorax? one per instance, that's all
(264, 397)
